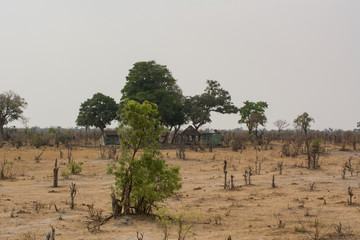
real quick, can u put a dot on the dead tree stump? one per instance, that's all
(351, 194)
(343, 172)
(225, 174)
(273, 182)
(250, 174)
(56, 171)
(51, 235)
(73, 191)
(348, 166)
(280, 166)
(232, 182)
(246, 177)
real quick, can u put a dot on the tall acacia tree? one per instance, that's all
(98, 111)
(253, 115)
(198, 108)
(149, 81)
(11, 108)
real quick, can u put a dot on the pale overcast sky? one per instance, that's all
(298, 55)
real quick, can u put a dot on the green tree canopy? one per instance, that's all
(11, 109)
(303, 122)
(141, 182)
(98, 111)
(253, 115)
(154, 82)
(198, 108)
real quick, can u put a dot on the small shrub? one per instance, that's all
(300, 229)
(66, 173)
(72, 168)
(235, 145)
(75, 168)
(164, 221)
(6, 169)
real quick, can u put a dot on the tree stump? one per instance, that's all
(73, 191)
(56, 171)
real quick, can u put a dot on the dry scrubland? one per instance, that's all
(249, 212)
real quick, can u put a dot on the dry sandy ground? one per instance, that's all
(249, 212)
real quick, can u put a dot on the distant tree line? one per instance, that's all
(152, 82)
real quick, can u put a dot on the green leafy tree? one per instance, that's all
(302, 122)
(98, 111)
(253, 115)
(141, 182)
(149, 81)
(198, 108)
(315, 151)
(11, 108)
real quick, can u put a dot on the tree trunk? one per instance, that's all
(165, 140)
(176, 130)
(86, 135)
(56, 170)
(2, 131)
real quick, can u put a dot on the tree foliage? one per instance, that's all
(154, 82)
(11, 109)
(303, 122)
(198, 108)
(141, 182)
(98, 111)
(253, 115)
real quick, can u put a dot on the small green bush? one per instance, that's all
(300, 229)
(66, 173)
(72, 168)
(75, 168)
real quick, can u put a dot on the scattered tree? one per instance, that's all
(198, 108)
(141, 182)
(98, 111)
(315, 152)
(281, 125)
(303, 122)
(154, 82)
(11, 109)
(253, 115)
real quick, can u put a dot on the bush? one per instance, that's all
(6, 169)
(235, 145)
(141, 182)
(300, 229)
(72, 168)
(75, 168)
(66, 173)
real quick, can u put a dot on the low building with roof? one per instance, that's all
(110, 137)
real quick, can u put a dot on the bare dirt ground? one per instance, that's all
(249, 212)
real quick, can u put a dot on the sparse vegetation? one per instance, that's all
(141, 182)
(203, 178)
